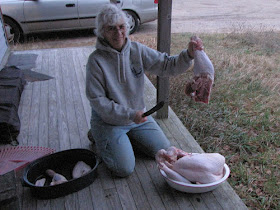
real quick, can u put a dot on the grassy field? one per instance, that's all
(242, 120)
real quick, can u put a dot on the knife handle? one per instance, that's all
(154, 109)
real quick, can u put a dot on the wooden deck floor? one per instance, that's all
(56, 114)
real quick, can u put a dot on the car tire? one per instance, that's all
(134, 21)
(13, 31)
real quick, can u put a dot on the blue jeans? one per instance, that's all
(114, 143)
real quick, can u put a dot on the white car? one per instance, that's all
(31, 16)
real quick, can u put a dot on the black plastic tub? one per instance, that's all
(63, 163)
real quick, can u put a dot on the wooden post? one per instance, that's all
(163, 45)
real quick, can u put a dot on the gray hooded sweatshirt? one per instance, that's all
(115, 80)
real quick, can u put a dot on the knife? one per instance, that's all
(154, 109)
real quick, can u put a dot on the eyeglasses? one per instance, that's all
(112, 29)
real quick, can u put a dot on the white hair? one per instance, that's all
(110, 15)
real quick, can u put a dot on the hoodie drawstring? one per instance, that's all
(121, 65)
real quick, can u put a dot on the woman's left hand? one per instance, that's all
(194, 44)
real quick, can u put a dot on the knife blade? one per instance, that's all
(154, 109)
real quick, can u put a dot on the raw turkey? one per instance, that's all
(186, 167)
(80, 169)
(40, 182)
(56, 178)
(199, 88)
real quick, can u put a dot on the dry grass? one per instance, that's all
(243, 118)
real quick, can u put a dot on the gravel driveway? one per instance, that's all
(221, 16)
(224, 15)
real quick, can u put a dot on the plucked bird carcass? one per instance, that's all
(200, 168)
(40, 182)
(56, 178)
(80, 169)
(199, 88)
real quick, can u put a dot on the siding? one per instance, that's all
(3, 41)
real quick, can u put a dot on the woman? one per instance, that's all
(115, 89)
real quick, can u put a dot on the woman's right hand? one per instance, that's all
(138, 117)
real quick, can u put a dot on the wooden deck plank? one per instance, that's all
(124, 193)
(53, 104)
(106, 177)
(34, 124)
(211, 201)
(43, 204)
(182, 201)
(85, 201)
(113, 201)
(167, 198)
(83, 112)
(98, 195)
(138, 193)
(151, 192)
(56, 114)
(108, 186)
(63, 132)
(28, 203)
(81, 59)
(43, 134)
(184, 142)
(228, 198)
(71, 201)
(57, 204)
(67, 71)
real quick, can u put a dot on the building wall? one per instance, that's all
(4, 47)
